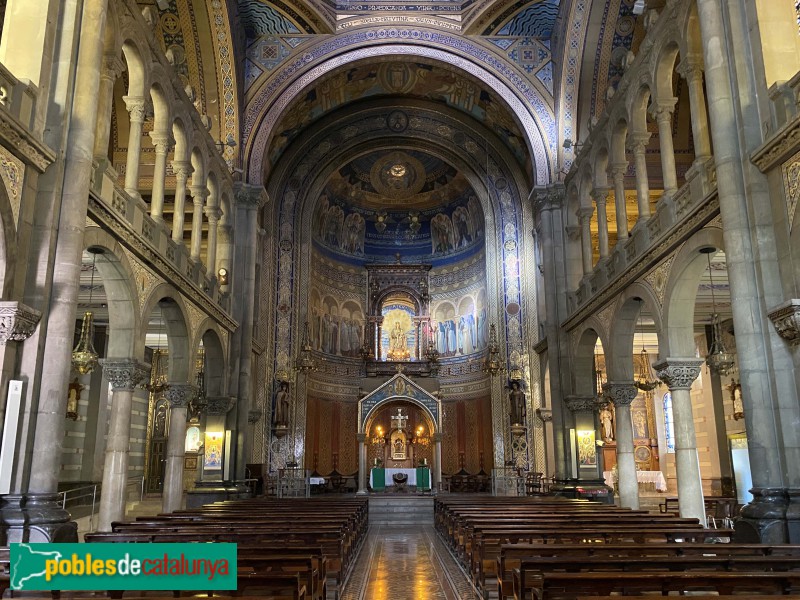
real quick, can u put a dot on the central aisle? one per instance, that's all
(406, 562)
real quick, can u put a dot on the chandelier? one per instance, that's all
(599, 375)
(84, 356)
(198, 402)
(305, 361)
(718, 359)
(645, 378)
(493, 365)
(158, 377)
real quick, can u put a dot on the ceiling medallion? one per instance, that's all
(397, 121)
(397, 175)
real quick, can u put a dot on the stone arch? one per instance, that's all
(161, 106)
(119, 282)
(178, 330)
(637, 109)
(681, 292)
(622, 330)
(182, 132)
(619, 137)
(601, 163)
(138, 74)
(540, 137)
(587, 335)
(215, 357)
(199, 162)
(8, 243)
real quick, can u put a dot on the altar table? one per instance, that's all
(654, 477)
(411, 473)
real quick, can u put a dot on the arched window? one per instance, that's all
(669, 427)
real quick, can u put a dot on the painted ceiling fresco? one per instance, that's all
(405, 79)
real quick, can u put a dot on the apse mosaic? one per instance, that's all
(359, 212)
(336, 324)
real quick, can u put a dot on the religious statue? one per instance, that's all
(640, 424)
(606, 419)
(160, 421)
(282, 398)
(516, 398)
(398, 346)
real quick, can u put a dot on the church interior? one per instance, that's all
(409, 268)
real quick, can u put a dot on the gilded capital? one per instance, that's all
(678, 373)
(17, 321)
(124, 374)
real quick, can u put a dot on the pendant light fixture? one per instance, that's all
(718, 359)
(84, 356)
(645, 379)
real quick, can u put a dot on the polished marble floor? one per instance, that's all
(406, 563)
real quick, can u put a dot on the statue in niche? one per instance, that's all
(282, 398)
(606, 418)
(398, 346)
(516, 398)
(160, 421)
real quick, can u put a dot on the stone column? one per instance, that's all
(164, 142)
(437, 462)
(600, 196)
(617, 173)
(362, 463)
(769, 385)
(638, 145)
(123, 375)
(182, 170)
(678, 374)
(691, 68)
(212, 214)
(136, 110)
(548, 205)
(55, 361)
(585, 217)
(112, 69)
(663, 115)
(622, 394)
(378, 328)
(249, 199)
(199, 195)
(179, 395)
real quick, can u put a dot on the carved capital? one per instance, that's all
(361, 438)
(786, 320)
(182, 169)
(637, 143)
(212, 213)
(17, 321)
(580, 403)
(691, 67)
(548, 198)
(250, 196)
(545, 414)
(180, 394)
(621, 394)
(113, 67)
(253, 415)
(137, 108)
(678, 373)
(199, 194)
(219, 405)
(600, 195)
(617, 171)
(163, 141)
(662, 110)
(585, 215)
(124, 374)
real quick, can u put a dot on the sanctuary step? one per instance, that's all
(401, 510)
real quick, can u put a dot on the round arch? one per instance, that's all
(583, 359)
(364, 427)
(178, 333)
(215, 357)
(681, 292)
(622, 330)
(533, 114)
(8, 245)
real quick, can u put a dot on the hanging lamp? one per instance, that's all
(645, 379)
(84, 356)
(305, 360)
(718, 359)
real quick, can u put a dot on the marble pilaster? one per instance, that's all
(123, 375)
(679, 374)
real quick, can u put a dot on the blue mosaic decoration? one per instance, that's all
(534, 21)
(261, 19)
(622, 37)
(545, 75)
(399, 386)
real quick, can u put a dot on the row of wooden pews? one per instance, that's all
(553, 548)
(291, 548)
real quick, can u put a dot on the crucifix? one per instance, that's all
(399, 420)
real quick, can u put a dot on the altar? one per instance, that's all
(410, 473)
(654, 478)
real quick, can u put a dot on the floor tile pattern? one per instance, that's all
(406, 563)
